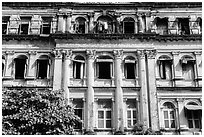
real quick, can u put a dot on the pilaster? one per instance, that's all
(31, 72)
(177, 69)
(180, 113)
(89, 114)
(119, 119)
(141, 19)
(60, 23)
(57, 80)
(68, 22)
(36, 23)
(91, 22)
(9, 65)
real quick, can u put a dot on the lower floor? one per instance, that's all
(178, 112)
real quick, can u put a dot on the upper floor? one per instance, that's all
(102, 18)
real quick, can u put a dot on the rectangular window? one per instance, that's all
(131, 112)
(78, 67)
(188, 70)
(46, 25)
(24, 25)
(129, 27)
(43, 69)
(78, 110)
(165, 70)
(169, 120)
(104, 70)
(20, 68)
(194, 119)
(129, 70)
(104, 113)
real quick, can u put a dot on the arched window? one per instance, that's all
(162, 26)
(3, 65)
(105, 25)
(80, 25)
(78, 67)
(169, 115)
(20, 66)
(194, 115)
(130, 69)
(187, 63)
(43, 66)
(165, 69)
(128, 25)
(104, 67)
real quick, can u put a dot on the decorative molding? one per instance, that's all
(198, 52)
(179, 99)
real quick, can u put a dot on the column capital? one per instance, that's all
(57, 53)
(67, 54)
(118, 53)
(9, 52)
(175, 52)
(198, 52)
(91, 54)
(141, 53)
(140, 14)
(179, 99)
(68, 14)
(151, 54)
(31, 52)
(91, 14)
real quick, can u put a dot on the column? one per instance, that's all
(9, 65)
(119, 120)
(66, 73)
(143, 93)
(198, 68)
(60, 23)
(152, 90)
(89, 113)
(68, 22)
(31, 71)
(91, 22)
(57, 79)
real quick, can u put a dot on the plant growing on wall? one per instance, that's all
(138, 129)
(36, 112)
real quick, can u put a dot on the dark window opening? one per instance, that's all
(24, 28)
(184, 26)
(77, 70)
(20, 68)
(78, 112)
(162, 26)
(46, 25)
(42, 69)
(104, 70)
(130, 70)
(129, 27)
(165, 69)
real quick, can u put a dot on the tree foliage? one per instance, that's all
(36, 112)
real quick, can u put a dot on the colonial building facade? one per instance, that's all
(118, 63)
